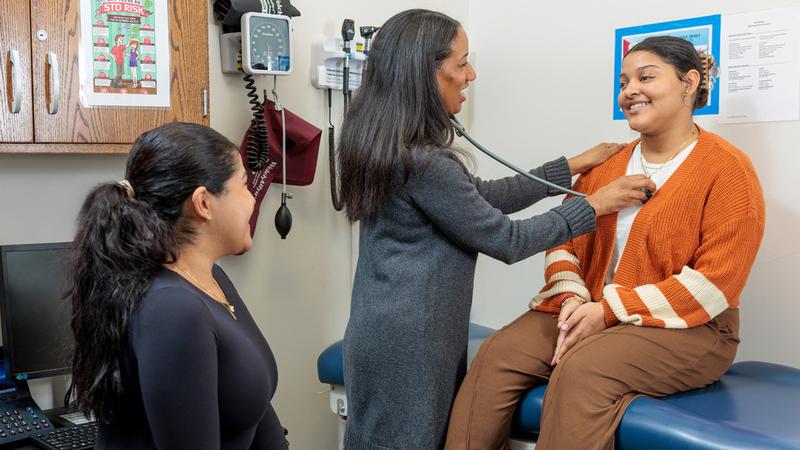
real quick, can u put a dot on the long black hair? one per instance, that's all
(124, 237)
(680, 54)
(397, 108)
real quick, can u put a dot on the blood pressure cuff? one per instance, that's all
(302, 149)
(229, 12)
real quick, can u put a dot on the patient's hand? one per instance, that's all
(585, 321)
(592, 157)
(570, 306)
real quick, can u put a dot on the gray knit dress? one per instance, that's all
(405, 348)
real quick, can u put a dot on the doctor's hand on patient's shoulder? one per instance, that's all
(620, 194)
(592, 157)
(586, 320)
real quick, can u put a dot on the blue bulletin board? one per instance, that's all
(703, 32)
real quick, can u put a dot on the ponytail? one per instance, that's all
(120, 245)
(126, 232)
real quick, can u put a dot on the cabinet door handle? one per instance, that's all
(55, 90)
(16, 99)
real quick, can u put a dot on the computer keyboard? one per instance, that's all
(77, 437)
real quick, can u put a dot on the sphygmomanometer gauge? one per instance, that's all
(266, 44)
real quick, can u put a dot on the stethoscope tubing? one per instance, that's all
(461, 132)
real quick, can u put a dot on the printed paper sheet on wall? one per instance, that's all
(761, 66)
(124, 57)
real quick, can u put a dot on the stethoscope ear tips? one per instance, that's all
(457, 126)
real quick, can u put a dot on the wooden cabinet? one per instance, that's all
(16, 111)
(33, 128)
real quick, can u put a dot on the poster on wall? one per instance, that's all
(124, 53)
(703, 32)
(760, 66)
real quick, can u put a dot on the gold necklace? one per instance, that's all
(681, 147)
(223, 301)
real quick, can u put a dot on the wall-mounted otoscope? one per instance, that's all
(348, 33)
(367, 33)
(461, 132)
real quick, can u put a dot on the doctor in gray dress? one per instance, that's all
(424, 219)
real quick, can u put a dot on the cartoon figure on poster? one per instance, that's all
(126, 48)
(133, 58)
(118, 53)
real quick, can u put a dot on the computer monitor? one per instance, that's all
(37, 335)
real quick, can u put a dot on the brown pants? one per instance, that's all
(117, 81)
(591, 387)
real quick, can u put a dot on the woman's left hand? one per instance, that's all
(587, 320)
(592, 157)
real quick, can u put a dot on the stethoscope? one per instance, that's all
(461, 132)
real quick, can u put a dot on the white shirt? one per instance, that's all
(660, 173)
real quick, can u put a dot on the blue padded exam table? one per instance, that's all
(755, 405)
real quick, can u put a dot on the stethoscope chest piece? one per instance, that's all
(648, 194)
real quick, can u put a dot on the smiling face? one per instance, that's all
(652, 95)
(455, 74)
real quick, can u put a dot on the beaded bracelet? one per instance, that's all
(575, 298)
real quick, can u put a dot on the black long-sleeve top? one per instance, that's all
(193, 377)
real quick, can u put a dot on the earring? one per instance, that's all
(685, 93)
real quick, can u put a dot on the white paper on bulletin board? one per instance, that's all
(124, 53)
(760, 65)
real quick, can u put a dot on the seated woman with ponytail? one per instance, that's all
(648, 303)
(167, 355)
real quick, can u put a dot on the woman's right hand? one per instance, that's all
(621, 193)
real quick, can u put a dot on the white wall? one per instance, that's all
(298, 290)
(544, 88)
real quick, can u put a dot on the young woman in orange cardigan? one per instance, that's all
(648, 304)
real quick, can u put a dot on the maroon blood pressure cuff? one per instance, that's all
(302, 149)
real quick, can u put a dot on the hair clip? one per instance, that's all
(125, 184)
(710, 70)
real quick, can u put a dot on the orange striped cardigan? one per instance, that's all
(689, 251)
